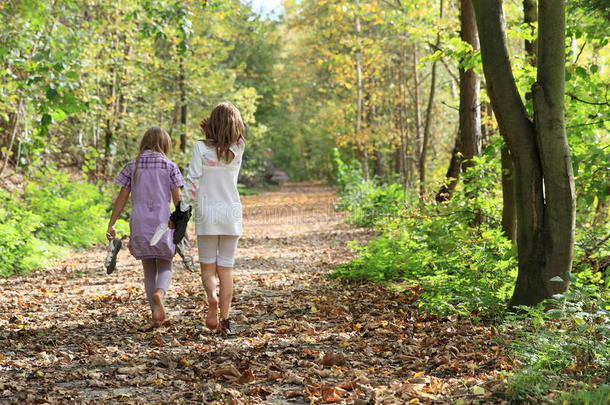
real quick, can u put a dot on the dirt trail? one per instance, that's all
(74, 334)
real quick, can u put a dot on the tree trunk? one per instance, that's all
(359, 102)
(453, 173)
(530, 17)
(402, 152)
(509, 219)
(487, 129)
(426, 133)
(470, 110)
(13, 134)
(419, 130)
(549, 117)
(428, 119)
(468, 142)
(183, 106)
(545, 215)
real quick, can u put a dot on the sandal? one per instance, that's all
(224, 327)
(113, 250)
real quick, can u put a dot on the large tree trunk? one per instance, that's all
(530, 17)
(549, 117)
(545, 215)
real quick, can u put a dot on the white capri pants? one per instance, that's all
(219, 249)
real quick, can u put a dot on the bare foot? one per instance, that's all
(211, 319)
(158, 311)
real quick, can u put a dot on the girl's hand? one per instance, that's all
(171, 225)
(111, 233)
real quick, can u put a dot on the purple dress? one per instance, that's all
(155, 177)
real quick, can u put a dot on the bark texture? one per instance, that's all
(470, 83)
(468, 142)
(545, 215)
(509, 218)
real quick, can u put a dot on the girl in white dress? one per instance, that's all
(212, 176)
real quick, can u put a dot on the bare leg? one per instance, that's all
(164, 276)
(158, 311)
(225, 276)
(210, 284)
(150, 276)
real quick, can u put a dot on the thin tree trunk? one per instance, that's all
(362, 153)
(13, 135)
(183, 106)
(468, 141)
(419, 132)
(470, 110)
(428, 119)
(401, 117)
(453, 173)
(372, 119)
(509, 219)
(426, 134)
(487, 129)
(530, 17)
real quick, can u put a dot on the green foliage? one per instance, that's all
(564, 348)
(17, 241)
(366, 201)
(72, 213)
(462, 269)
(54, 213)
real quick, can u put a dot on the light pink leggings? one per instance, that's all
(157, 274)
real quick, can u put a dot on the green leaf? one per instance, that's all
(59, 115)
(45, 120)
(51, 93)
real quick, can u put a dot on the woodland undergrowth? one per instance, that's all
(457, 254)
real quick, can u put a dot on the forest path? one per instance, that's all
(74, 334)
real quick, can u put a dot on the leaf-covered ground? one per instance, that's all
(74, 334)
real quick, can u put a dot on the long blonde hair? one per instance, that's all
(223, 128)
(155, 139)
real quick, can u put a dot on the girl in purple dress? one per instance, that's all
(152, 179)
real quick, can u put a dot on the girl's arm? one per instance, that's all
(193, 174)
(176, 195)
(176, 199)
(119, 204)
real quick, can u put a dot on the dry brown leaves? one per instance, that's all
(74, 334)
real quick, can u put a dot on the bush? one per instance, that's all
(462, 268)
(565, 348)
(72, 213)
(53, 213)
(366, 201)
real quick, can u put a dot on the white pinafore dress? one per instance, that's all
(213, 187)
